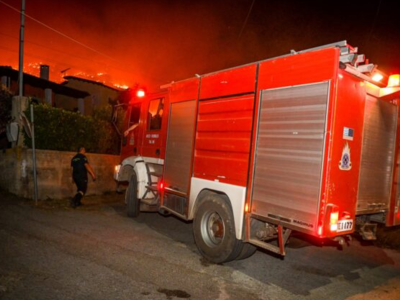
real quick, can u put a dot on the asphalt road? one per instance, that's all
(96, 252)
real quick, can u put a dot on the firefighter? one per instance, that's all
(80, 167)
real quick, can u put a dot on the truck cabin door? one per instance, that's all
(152, 145)
(131, 135)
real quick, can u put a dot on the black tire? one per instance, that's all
(118, 189)
(247, 251)
(214, 230)
(132, 201)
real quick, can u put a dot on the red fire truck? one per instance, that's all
(303, 142)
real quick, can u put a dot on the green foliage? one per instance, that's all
(57, 129)
(5, 107)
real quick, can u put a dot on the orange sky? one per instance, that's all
(156, 41)
(139, 43)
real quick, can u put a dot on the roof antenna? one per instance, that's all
(63, 71)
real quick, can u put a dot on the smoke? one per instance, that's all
(151, 42)
(156, 42)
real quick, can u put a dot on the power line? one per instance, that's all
(247, 18)
(28, 54)
(49, 48)
(117, 67)
(57, 62)
(374, 22)
(72, 39)
(59, 32)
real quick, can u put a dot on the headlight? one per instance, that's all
(116, 171)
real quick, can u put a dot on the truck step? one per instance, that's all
(152, 187)
(151, 201)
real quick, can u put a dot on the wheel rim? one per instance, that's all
(212, 229)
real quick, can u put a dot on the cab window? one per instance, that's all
(156, 109)
(135, 115)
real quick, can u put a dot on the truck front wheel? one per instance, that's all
(132, 201)
(247, 251)
(214, 230)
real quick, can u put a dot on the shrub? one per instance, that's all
(57, 129)
(5, 107)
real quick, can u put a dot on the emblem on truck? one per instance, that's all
(345, 162)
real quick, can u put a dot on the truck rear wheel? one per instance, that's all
(132, 201)
(214, 230)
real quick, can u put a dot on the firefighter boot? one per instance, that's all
(78, 198)
(76, 201)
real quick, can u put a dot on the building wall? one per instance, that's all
(28, 91)
(57, 100)
(65, 102)
(53, 173)
(34, 92)
(99, 95)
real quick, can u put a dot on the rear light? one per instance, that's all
(334, 218)
(246, 208)
(394, 80)
(335, 221)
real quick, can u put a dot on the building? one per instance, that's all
(43, 90)
(99, 93)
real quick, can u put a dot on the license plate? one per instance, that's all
(345, 225)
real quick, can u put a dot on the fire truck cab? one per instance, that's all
(308, 141)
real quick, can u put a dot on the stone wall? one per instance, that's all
(53, 173)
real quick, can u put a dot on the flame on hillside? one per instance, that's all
(33, 69)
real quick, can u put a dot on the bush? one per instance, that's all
(5, 107)
(57, 129)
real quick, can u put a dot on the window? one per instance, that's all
(154, 116)
(135, 115)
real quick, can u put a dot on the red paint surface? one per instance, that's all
(184, 90)
(225, 122)
(298, 69)
(142, 135)
(393, 218)
(230, 82)
(346, 110)
(223, 139)
(306, 68)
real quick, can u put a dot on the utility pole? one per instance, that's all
(35, 184)
(20, 94)
(21, 50)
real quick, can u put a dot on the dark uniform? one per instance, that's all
(79, 174)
